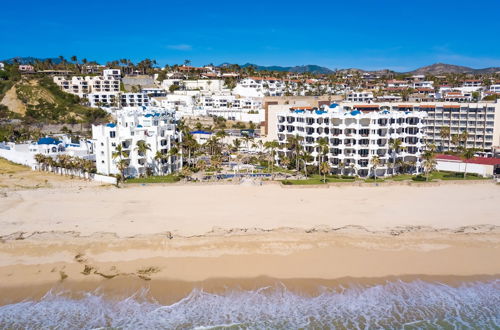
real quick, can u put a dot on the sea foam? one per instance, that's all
(393, 305)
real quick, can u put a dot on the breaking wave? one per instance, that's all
(396, 304)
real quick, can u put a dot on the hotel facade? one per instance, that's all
(156, 129)
(354, 137)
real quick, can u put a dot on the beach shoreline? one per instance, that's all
(300, 259)
(176, 239)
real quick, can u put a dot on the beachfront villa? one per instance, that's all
(354, 137)
(59, 144)
(146, 140)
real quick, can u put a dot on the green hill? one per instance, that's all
(36, 99)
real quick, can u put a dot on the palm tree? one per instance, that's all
(285, 162)
(142, 147)
(158, 158)
(341, 166)
(322, 147)
(429, 161)
(189, 143)
(247, 138)
(455, 140)
(216, 161)
(272, 146)
(324, 169)
(467, 155)
(394, 145)
(121, 164)
(294, 144)
(88, 166)
(237, 144)
(173, 153)
(464, 136)
(40, 159)
(444, 133)
(375, 161)
(201, 165)
(306, 158)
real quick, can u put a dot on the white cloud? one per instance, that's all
(182, 47)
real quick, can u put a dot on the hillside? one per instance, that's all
(442, 68)
(29, 60)
(298, 69)
(39, 100)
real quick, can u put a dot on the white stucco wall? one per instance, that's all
(458, 166)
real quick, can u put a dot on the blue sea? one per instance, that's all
(391, 305)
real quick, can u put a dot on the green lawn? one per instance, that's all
(316, 179)
(455, 176)
(401, 177)
(155, 179)
(373, 180)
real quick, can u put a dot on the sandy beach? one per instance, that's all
(212, 236)
(188, 210)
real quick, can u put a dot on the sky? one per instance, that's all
(401, 35)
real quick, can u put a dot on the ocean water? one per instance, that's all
(393, 305)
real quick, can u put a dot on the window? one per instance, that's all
(112, 134)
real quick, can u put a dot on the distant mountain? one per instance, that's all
(29, 60)
(298, 69)
(442, 68)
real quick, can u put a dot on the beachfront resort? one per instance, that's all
(200, 123)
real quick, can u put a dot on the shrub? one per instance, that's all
(419, 177)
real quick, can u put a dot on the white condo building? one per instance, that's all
(82, 86)
(231, 107)
(481, 121)
(354, 137)
(359, 97)
(260, 87)
(156, 129)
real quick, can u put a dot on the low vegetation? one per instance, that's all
(156, 179)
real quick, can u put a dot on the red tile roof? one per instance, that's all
(475, 160)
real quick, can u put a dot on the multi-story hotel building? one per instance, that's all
(354, 137)
(82, 86)
(156, 129)
(481, 121)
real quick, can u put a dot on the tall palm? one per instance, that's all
(173, 153)
(158, 158)
(395, 146)
(341, 166)
(455, 140)
(271, 146)
(39, 158)
(429, 158)
(294, 143)
(463, 137)
(142, 147)
(306, 158)
(237, 144)
(466, 155)
(247, 138)
(444, 133)
(120, 154)
(375, 161)
(324, 169)
(322, 147)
